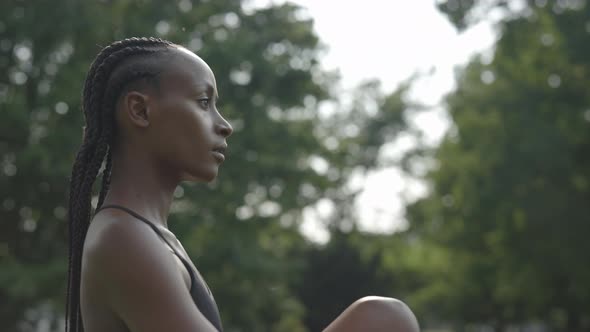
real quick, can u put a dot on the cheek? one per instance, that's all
(184, 139)
(193, 140)
(169, 135)
(194, 130)
(183, 122)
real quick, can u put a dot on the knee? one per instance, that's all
(386, 314)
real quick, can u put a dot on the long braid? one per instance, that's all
(99, 100)
(106, 177)
(108, 116)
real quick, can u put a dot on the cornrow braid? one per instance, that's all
(107, 51)
(95, 81)
(115, 67)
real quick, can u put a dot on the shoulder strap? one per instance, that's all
(137, 216)
(199, 291)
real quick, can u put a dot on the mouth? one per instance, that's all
(219, 153)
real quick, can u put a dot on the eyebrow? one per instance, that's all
(209, 88)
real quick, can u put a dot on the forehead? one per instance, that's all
(186, 70)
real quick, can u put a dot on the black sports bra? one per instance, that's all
(199, 290)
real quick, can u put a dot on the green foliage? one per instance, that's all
(264, 62)
(464, 13)
(336, 276)
(510, 197)
(500, 238)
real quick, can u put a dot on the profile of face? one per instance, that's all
(178, 124)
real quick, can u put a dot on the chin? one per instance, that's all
(201, 176)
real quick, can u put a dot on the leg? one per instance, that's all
(375, 314)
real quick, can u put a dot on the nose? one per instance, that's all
(223, 128)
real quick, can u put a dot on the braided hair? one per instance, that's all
(115, 69)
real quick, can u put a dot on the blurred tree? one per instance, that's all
(354, 264)
(510, 195)
(242, 229)
(355, 135)
(337, 275)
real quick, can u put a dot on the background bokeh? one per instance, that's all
(500, 241)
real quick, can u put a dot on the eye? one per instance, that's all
(205, 102)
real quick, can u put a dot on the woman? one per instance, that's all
(150, 110)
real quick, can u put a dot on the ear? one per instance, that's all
(137, 107)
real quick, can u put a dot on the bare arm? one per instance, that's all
(141, 282)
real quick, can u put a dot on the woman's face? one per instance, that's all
(188, 134)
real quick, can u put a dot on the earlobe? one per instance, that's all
(137, 108)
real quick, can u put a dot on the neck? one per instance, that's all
(140, 185)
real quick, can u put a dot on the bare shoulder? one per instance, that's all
(139, 278)
(111, 234)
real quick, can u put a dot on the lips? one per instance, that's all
(219, 152)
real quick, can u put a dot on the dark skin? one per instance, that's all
(167, 135)
(130, 279)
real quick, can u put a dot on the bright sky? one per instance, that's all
(390, 40)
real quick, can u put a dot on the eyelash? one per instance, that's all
(207, 100)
